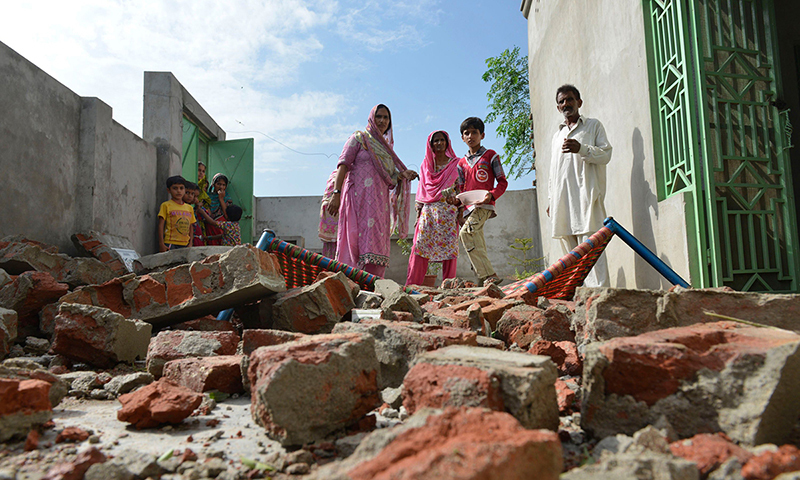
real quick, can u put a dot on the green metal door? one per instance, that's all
(675, 120)
(719, 139)
(234, 158)
(751, 224)
(191, 136)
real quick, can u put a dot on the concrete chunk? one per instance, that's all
(306, 389)
(19, 257)
(25, 404)
(102, 247)
(398, 343)
(465, 443)
(243, 274)
(8, 330)
(99, 336)
(27, 295)
(315, 308)
(723, 376)
(200, 375)
(159, 262)
(526, 383)
(177, 344)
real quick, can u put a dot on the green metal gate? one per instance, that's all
(714, 78)
(234, 158)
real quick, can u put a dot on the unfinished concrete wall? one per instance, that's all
(599, 47)
(165, 103)
(293, 217)
(40, 131)
(67, 165)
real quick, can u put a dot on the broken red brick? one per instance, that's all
(221, 373)
(72, 435)
(158, 403)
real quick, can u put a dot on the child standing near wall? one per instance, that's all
(479, 170)
(175, 218)
(192, 197)
(231, 234)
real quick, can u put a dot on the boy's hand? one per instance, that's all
(487, 199)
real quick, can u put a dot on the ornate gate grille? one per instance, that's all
(741, 190)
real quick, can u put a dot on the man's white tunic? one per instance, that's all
(577, 186)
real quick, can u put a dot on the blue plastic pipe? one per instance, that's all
(645, 253)
(266, 237)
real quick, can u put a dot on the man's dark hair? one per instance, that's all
(234, 212)
(568, 88)
(176, 180)
(472, 122)
(191, 186)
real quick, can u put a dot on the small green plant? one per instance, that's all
(524, 265)
(405, 248)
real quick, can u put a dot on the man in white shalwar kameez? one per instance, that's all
(578, 179)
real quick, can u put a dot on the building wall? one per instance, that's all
(293, 218)
(67, 166)
(165, 103)
(599, 47)
(787, 12)
(39, 128)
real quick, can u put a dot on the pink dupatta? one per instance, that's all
(381, 148)
(431, 182)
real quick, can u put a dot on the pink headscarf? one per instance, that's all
(431, 182)
(381, 148)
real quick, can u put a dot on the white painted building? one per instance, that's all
(697, 98)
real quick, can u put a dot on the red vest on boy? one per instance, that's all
(481, 175)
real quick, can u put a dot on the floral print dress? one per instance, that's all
(437, 231)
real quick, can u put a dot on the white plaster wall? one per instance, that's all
(599, 47)
(292, 217)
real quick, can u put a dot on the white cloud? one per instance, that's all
(391, 26)
(244, 61)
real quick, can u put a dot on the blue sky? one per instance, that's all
(304, 73)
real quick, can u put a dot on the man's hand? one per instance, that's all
(571, 146)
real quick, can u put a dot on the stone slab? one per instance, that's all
(527, 382)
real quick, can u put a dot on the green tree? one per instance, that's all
(509, 102)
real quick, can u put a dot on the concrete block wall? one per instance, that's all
(292, 217)
(67, 166)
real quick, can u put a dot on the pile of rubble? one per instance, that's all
(112, 375)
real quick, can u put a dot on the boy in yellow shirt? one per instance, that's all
(175, 218)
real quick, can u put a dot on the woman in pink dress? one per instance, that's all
(367, 171)
(436, 232)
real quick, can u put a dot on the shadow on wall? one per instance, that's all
(642, 201)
